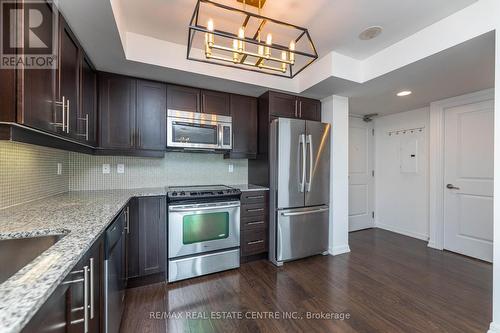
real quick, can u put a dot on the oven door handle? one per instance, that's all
(194, 208)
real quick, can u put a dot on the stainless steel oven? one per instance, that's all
(192, 130)
(198, 228)
(203, 230)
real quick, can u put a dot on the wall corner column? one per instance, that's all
(335, 111)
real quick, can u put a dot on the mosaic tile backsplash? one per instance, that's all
(86, 172)
(29, 173)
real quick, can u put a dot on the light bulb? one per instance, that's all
(235, 48)
(267, 49)
(283, 64)
(292, 54)
(241, 34)
(210, 25)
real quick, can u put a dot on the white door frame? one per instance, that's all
(436, 167)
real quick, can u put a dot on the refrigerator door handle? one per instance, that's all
(320, 210)
(302, 168)
(309, 143)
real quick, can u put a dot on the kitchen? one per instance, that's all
(140, 198)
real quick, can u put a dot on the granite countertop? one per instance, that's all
(249, 187)
(82, 217)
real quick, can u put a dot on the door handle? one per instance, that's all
(307, 212)
(452, 187)
(311, 166)
(302, 173)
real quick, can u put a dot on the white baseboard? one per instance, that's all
(433, 245)
(340, 249)
(401, 231)
(494, 328)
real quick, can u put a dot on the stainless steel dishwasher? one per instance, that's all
(115, 273)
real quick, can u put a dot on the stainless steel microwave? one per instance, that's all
(192, 130)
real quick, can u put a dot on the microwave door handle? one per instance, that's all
(219, 135)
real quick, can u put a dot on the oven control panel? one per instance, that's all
(191, 194)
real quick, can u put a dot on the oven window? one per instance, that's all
(194, 133)
(205, 227)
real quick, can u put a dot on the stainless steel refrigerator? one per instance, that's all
(299, 156)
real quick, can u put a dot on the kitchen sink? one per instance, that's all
(18, 252)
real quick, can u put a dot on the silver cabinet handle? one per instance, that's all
(86, 120)
(256, 242)
(254, 223)
(300, 109)
(255, 210)
(311, 162)
(67, 117)
(452, 187)
(256, 197)
(85, 280)
(127, 220)
(295, 108)
(91, 272)
(63, 106)
(321, 210)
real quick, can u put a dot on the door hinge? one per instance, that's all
(373, 215)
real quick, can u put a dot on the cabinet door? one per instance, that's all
(152, 235)
(244, 114)
(68, 77)
(116, 111)
(214, 102)
(183, 98)
(39, 92)
(309, 109)
(133, 240)
(283, 105)
(87, 120)
(151, 115)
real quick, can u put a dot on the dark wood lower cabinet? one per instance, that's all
(254, 225)
(147, 243)
(63, 312)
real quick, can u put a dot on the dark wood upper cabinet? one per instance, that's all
(87, 119)
(38, 87)
(117, 111)
(309, 109)
(151, 115)
(183, 98)
(69, 77)
(244, 115)
(283, 105)
(215, 102)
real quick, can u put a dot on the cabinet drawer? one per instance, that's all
(252, 197)
(254, 242)
(258, 209)
(254, 223)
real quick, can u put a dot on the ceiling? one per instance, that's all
(462, 69)
(333, 24)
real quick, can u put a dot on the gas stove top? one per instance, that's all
(203, 192)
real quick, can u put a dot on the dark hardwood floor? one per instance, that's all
(388, 283)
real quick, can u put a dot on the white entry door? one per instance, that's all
(468, 198)
(360, 174)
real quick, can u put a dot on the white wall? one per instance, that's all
(402, 199)
(335, 111)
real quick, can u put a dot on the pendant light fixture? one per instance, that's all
(286, 50)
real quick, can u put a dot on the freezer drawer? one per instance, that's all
(301, 232)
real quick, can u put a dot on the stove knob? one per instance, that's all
(220, 192)
(174, 194)
(183, 193)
